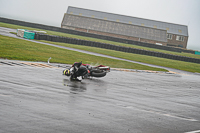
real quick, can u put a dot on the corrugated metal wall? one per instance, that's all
(170, 27)
(114, 27)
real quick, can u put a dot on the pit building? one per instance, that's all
(126, 27)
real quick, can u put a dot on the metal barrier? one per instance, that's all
(114, 47)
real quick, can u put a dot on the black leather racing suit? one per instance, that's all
(79, 70)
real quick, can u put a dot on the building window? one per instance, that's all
(180, 46)
(180, 38)
(169, 36)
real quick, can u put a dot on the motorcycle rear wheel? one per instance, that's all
(98, 74)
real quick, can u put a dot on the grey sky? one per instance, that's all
(50, 12)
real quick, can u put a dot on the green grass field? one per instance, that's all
(62, 57)
(97, 40)
(17, 49)
(181, 65)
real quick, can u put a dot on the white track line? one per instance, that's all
(197, 131)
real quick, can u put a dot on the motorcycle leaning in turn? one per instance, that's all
(79, 70)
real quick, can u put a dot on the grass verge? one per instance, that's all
(17, 49)
(186, 66)
(98, 40)
(181, 65)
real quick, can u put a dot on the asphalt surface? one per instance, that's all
(36, 97)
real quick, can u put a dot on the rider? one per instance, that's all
(76, 70)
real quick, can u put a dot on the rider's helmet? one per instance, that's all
(66, 72)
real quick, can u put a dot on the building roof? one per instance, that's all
(170, 27)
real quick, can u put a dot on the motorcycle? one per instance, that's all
(86, 71)
(97, 71)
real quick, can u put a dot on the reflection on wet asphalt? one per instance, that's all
(75, 85)
(38, 98)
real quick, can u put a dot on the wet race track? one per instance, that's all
(37, 98)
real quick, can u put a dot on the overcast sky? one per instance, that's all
(51, 12)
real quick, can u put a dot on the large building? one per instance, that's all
(132, 28)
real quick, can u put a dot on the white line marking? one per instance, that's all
(161, 113)
(198, 131)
